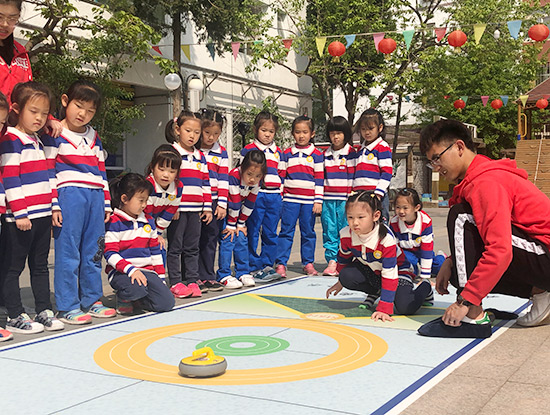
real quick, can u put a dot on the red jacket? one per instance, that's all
(18, 71)
(500, 196)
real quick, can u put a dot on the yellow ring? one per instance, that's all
(127, 355)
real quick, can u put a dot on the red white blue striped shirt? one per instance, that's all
(339, 170)
(273, 154)
(218, 169)
(373, 167)
(196, 181)
(162, 204)
(302, 174)
(132, 244)
(241, 201)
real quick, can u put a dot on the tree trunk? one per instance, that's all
(397, 122)
(176, 51)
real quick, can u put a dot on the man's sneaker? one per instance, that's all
(123, 307)
(281, 270)
(202, 286)
(266, 275)
(5, 335)
(76, 316)
(48, 320)
(309, 269)
(24, 324)
(195, 290)
(331, 269)
(213, 285)
(180, 290)
(99, 310)
(232, 283)
(539, 311)
(472, 330)
(247, 280)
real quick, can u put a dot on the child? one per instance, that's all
(302, 174)
(373, 162)
(412, 228)
(243, 188)
(163, 173)
(218, 167)
(338, 181)
(265, 217)
(82, 207)
(370, 261)
(132, 251)
(29, 197)
(196, 205)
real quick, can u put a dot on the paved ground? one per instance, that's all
(511, 375)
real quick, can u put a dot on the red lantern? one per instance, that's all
(542, 104)
(496, 104)
(387, 45)
(459, 104)
(336, 49)
(538, 32)
(457, 38)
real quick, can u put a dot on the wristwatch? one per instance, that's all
(461, 301)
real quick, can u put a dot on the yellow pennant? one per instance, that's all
(320, 42)
(523, 99)
(479, 28)
(186, 51)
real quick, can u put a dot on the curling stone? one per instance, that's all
(202, 364)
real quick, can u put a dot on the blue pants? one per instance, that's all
(333, 218)
(290, 214)
(238, 248)
(79, 245)
(414, 259)
(265, 218)
(155, 296)
(208, 244)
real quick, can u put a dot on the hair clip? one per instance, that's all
(175, 119)
(372, 195)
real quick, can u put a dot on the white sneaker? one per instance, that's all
(539, 310)
(247, 280)
(24, 324)
(232, 283)
(48, 320)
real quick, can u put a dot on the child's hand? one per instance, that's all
(229, 232)
(206, 217)
(220, 213)
(54, 128)
(176, 215)
(107, 217)
(162, 242)
(317, 208)
(243, 230)
(335, 289)
(378, 315)
(23, 224)
(57, 218)
(139, 277)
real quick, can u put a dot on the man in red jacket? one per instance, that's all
(499, 233)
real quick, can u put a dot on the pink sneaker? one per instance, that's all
(180, 290)
(195, 290)
(331, 270)
(310, 270)
(281, 270)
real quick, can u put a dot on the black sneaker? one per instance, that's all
(202, 286)
(213, 285)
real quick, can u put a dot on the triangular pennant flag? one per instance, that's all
(211, 49)
(408, 35)
(514, 27)
(464, 98)
(407, 98)
(523, 99)
(235, 46)
(479, 28)
(349, 40)
(258, 42)
(485, 99)
(504, 99)
(440, 33)
(390, 97)
(377, 38)
(157, 49)
(320, 42)
(287, 43)
(186, 51)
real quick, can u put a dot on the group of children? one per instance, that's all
(190, 192)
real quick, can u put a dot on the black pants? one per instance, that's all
(530, 266)
(359, 277)
(208, 245)
(34, 245)
(155, 296)
(183, 247)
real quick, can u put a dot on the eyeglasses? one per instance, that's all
(435, 161)
(9, 20)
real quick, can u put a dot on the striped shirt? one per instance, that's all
(339, 169)
(78, 160)
(218, 168)
(2, 197)
(302, 174)
(27, 180)
(418, 239)
(162, 204)
(132, 244)
(373, 167)
(273, 154)
(383, 256)
(241, 200)
(196, 181)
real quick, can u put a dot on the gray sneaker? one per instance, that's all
(24, 324)
(49, 321)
